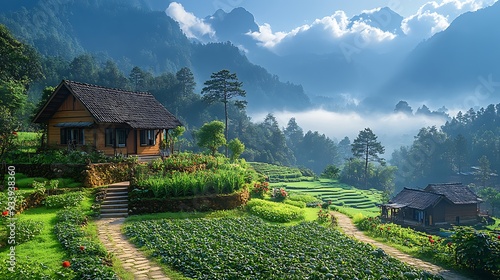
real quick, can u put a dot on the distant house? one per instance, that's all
(111, 120)
(437, 204)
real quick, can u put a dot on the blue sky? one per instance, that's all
(284, 15)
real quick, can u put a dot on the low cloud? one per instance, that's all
(193, 27)
(393, 130)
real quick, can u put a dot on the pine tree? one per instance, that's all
(366, 147)
(224, 86)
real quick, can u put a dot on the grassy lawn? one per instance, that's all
(45, 247)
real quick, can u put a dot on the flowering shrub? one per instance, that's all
(260, 189)
(279, 194)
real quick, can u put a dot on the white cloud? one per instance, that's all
(325, 35)
(322, 36)
(434, 17)
(192, 26)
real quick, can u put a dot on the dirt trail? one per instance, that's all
(350, 229)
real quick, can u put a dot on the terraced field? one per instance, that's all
(342, 196)
(276, 173)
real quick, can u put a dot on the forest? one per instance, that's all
(173, 69)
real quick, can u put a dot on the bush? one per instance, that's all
(70, 199)
(89, 259)
(306, 198)
(26, 230)
(274, 212)
(477, 251)
(300, 204)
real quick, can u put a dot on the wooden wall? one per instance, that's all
(466, 212)
(71, 110)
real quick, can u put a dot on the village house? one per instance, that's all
(110, 120)
(436, 205)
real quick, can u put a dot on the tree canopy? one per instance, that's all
(367, 147)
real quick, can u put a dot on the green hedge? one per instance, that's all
(273, 211)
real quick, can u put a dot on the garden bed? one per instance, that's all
(189, 204)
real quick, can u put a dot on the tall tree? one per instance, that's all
(367, 147)
(460, 152)
(484, 172)
(224, 86)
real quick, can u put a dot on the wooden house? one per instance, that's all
(110, 120)
(437, 204)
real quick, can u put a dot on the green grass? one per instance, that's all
(28, 142)
(44, 247)
(347, 199)
(277, 173)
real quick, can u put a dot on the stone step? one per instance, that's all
(114, 210)
(116, 197)
(114, 215)
(116, 193)
(115, 201)
(117, 187)
(114, 206)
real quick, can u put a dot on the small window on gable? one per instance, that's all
(148, 137)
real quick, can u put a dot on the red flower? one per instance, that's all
(14, 133)
(16, 188)
(388, 228)
(5, 213)
(66, 264)
(430, 236)
(499, 237)
(431, 241)
(82, 248)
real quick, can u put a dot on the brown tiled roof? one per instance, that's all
(108, 105)
(417, 199)
(457, 193)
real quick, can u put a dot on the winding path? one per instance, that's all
(350, 229)
(130, 257)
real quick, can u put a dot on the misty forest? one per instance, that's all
(250, 112)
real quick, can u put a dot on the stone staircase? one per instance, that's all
(115, 204)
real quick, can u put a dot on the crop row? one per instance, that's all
(248, 248)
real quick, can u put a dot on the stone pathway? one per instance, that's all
(131, 258)
(350, 229)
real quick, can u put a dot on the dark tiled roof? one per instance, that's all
(457, 193)
(108, 105)
(417, 199)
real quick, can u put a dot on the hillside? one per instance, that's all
(131, 36)
(451, 65)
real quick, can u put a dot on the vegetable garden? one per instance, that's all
(249, 248)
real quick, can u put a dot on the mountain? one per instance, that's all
(345, 66)
(131, 35)
(459, 64)
(384, 18)
(233, 26)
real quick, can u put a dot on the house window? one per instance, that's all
(116, 136)
(148, 137)
(72, 136)
(109, 137)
